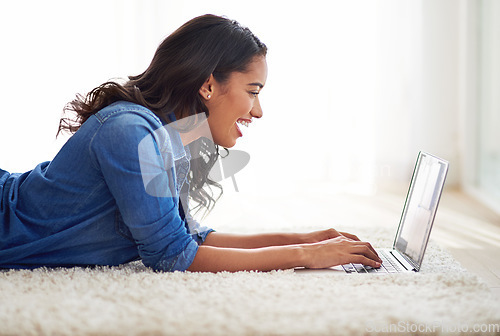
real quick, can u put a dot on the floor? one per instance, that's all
(471, 233)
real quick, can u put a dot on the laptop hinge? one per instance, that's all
(402, 260)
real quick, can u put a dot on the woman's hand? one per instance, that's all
(340, 250)
(318, 236)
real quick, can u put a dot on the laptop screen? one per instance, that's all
(420, 207)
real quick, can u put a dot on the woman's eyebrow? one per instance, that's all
(260, 85)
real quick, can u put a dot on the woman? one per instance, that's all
(117, 191)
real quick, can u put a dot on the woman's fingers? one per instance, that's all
(370, 247)
(355, 238)
(364, 248)
(341, 251)
(350, 236)
(367, 251)
(361, 259)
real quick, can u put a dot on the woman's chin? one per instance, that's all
(227, 140)
(229, 144)
(226, 143)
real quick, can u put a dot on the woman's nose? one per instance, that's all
(256, 110)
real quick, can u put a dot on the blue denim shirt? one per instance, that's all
(114, 193)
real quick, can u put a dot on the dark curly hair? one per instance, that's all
(203, 46)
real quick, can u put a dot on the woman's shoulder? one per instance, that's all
(129, 123)
(128, 112)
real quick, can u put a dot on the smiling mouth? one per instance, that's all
(244, 122)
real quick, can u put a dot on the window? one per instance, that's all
(488, 136)
(480, 101)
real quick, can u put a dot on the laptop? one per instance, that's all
(416, 221)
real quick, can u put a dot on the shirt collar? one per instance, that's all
(178, 149)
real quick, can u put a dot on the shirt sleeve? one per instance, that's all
(136, 161)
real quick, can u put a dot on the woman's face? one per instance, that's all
(234, 103)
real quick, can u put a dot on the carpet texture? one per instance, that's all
(133, 300)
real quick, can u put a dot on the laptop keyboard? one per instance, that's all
(388, 266)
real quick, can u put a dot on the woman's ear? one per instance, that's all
(207, 89)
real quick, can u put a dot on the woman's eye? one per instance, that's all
(254, 93)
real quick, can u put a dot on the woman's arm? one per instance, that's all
(216, 259)
(327, 253)
(250, 241)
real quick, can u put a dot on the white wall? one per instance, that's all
(355, 88)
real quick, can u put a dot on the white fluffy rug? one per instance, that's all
(133, 300)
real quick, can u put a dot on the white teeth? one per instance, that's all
(242, 122)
